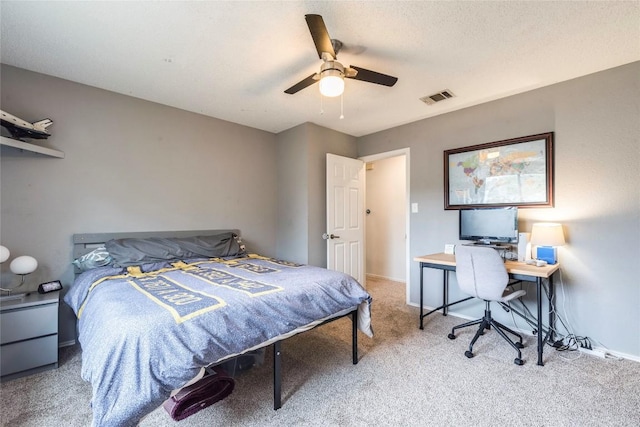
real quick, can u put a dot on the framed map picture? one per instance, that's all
(515, 172)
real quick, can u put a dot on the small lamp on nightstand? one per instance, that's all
(23, 265)
(20, 266)
(4, 254)
(547, 236)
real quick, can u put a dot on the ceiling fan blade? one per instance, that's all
(302, 84)
(372, 77)
(320, 35)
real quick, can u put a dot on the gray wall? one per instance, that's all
(293, 205)
(130, 165)
(302, 208)
(597, 157)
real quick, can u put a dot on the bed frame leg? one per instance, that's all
(277, 376)
(277, 360)
(354, 336)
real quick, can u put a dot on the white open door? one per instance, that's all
(345, 216)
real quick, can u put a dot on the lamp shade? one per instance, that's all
(547, 234)
(331, 83)
(4, 254)
(23, 265)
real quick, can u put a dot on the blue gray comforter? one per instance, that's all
(148, 330)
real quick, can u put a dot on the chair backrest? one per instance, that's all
(481, 272)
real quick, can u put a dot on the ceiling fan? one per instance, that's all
(332, 73)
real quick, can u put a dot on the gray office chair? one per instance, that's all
(481, 273)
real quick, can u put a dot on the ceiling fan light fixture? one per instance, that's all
(331, 83)
(332, 73)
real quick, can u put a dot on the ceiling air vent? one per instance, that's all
(437, 97)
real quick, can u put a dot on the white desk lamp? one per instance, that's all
(547, 236)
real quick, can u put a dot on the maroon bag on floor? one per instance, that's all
(199, 395)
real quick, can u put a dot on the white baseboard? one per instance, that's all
(377, 276)
(612, 354)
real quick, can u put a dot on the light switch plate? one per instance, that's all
(414, 208)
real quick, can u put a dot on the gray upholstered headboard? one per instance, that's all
(84, 243)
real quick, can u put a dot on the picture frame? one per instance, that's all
(514, 172)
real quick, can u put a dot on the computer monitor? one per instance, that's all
(489, 225)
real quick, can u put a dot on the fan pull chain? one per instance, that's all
(341, 105)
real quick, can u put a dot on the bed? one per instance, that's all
(154, 309)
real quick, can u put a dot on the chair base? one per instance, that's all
(486, 323)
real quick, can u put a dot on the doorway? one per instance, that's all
(387, 217)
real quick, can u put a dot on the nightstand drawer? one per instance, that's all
(29, 354)
(25, 323)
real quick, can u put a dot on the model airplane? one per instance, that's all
(19, 128)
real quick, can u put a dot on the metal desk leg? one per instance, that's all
(421, 293)
(445, 292)
(540, 331)
(552, 312)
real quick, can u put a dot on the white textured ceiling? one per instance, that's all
(233, 60)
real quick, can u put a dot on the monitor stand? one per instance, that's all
(486, 244)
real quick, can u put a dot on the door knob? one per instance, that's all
(326, 236)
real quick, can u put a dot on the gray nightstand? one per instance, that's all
(29, 335)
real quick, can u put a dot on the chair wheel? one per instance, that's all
(468, 354)
(451, 337)
(518, 361)
(519, 345)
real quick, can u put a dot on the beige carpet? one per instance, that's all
(405, 377)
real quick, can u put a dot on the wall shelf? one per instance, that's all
(26, 146)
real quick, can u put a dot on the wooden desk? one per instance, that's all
(516, 270)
